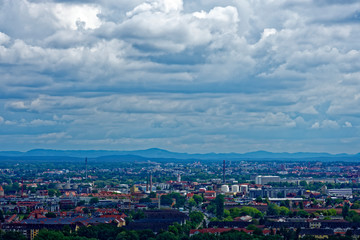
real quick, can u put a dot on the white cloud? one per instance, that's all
(347, 124)
(278, 119)
(166, 6)
(4, 39)
(325, 124)
(268, 32)
(77, 16)
(16, 106)
(330, 124)
(40, 122)
(54, 136)
(316, 125)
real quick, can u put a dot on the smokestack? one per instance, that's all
(147, 184)
(224, 171)
(150, 182)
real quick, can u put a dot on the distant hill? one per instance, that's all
(156, 153)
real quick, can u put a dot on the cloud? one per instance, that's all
(52, 136)
(16, 106)
(223, 76)
(325, 124)
(348, 124)
(40, 122)
(316, 125)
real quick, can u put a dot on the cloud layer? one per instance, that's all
(182, 75)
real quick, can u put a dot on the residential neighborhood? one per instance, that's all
(290, 200)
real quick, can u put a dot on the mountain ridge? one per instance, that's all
(162, 153)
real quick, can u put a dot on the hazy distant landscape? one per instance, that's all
(154, 153)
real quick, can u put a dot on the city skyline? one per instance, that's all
(195, 77)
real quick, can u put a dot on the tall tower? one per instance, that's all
(150, 182)
(147, 184)
(86, 172)
(224, 171)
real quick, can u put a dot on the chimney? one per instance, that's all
(150, 182)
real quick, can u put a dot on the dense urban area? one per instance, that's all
(124, 198)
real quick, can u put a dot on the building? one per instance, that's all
(316, 232)
(225, 188)
(158, 220)
(276, 192)
(343, 192)
(266, 179)
(31, 227)
(235, 188)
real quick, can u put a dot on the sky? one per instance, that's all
(182, 75)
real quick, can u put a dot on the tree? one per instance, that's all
(302, 213)
(128, 235)
(226, 213)
(138, 215)
(272, 210)
(235, 212)
(331, 212)
(1, 216)
(152, 195)
(284, 211)
(205, 236)
(51, 192)
(219, 202)
(251, 227)
(146, 234)
(356, 205)
(196, 217)
(66, 230)
(180, 200)
(166, 236)
(145, 200)
(174, 230)
(166, 200)
(258, 232)
(198, 199)
(345, 210)
(191, 203)
(45, 234)
(50, 215)
(13, 236)
(81, 203)
(58, 193)
(303, 183)
(259, 199)
(253, 212)
(211, 208)
(94, 200)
